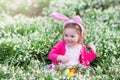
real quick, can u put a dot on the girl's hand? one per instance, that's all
(91, 46)
(63, 59)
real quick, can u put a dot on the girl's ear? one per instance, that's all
(80, 40)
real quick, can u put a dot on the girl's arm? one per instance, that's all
(92, 54)
(56, 51)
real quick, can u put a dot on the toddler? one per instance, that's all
(71, 50)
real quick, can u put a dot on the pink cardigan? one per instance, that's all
(59, 49)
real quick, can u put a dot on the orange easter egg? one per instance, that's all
(73, 70)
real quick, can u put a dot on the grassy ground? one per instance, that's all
(27, 33)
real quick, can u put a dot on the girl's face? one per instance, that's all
(71, 37)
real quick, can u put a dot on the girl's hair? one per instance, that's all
(78, 29)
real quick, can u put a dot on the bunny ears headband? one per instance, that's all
(76, 19)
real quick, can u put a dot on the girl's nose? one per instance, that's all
(68, 38)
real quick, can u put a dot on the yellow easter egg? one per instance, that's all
(70, 74)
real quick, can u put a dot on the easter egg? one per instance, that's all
(73, 70)
(70, 74)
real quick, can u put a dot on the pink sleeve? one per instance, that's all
(88, 56)
(91, 56)
(55, 51)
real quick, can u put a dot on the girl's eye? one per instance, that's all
(72, 36)
(66, 35)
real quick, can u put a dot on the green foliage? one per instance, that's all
(21, 41)
(24, 40)
(44, 3)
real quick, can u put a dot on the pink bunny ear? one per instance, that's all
(77, 19)
(59, 16)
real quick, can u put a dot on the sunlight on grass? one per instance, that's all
(27, 33)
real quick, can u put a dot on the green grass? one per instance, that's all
(26, 41)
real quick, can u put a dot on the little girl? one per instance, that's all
(71, 50)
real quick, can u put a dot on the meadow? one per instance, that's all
(27, 33)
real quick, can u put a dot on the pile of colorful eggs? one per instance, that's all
(67, 72)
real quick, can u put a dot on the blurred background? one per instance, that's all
(27, 34)
(25, 7)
